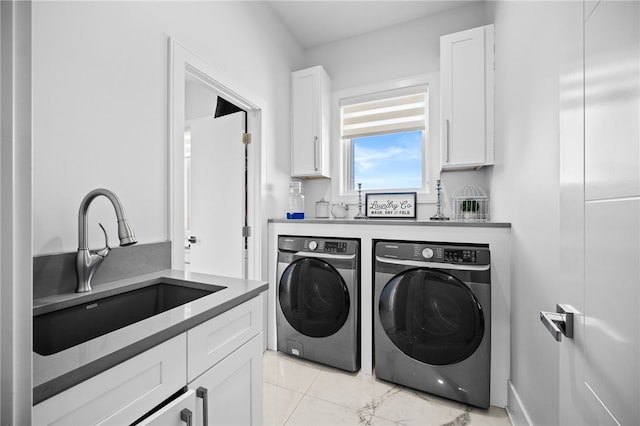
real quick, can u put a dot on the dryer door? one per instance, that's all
(431, 316)
(313, 297)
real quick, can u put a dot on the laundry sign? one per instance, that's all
(391, 205)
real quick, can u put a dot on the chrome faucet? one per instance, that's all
(87, 262)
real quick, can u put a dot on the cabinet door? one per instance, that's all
(231, 391)
(466, 61)
(309, 123)
(122, 393)
(180, 412)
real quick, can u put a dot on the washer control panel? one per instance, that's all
(463, 256)
(318, 245)
(325, 246)
(335, 247)
(427, 253)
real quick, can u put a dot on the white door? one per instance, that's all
(216, 196)
(600, 366)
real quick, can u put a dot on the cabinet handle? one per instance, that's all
(315, 153)
(186, 416)
(203, 393)
(448, 144)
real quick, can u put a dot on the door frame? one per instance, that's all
(183, 63)
(16, 212)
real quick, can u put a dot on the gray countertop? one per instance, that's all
(55, 373)
(405, 222)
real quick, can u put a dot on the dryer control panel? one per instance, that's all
(468, 254)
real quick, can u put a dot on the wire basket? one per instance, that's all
(470, 204)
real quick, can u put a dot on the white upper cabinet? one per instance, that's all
(466, 79)
(310, 92)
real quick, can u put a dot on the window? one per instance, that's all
(385, 138)
(391, 161)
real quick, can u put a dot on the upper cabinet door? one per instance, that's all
(310, 91)
(467, 74)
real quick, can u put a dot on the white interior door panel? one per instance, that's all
(217, 195)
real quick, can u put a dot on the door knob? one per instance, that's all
(559, 323)
(192, 239)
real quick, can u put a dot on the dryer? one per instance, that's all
(318, 300)
(432, 318)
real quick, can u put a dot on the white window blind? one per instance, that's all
(379, 117)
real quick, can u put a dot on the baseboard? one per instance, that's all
(517, 412)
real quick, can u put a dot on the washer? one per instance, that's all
(432, 318)
(318, 300)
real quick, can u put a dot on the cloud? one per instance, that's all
(389, 161)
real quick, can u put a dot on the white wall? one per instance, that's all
(100, 104)
(393, 53)
(525, 191)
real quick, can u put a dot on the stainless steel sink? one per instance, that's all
(62, 329)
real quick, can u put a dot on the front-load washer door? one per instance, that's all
(313, 297)
(431, 316)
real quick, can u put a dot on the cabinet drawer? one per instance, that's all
(213, 340)
(176, 413)
(119, 395)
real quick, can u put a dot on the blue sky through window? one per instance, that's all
(391, 161)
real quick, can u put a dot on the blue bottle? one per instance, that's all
(296, 201)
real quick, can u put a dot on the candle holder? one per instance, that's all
(438, 215)
(360, 215)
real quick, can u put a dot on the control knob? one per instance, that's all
(427, 253)
(313, 245)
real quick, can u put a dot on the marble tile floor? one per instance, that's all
(299, 392)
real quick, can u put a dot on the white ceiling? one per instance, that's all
(316, 22)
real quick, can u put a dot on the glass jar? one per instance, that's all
(296, 201)
(322, 209)
(339, 210)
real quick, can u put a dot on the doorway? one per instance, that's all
(228, 209)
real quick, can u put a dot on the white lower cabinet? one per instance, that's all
(225, 366)
(219, 360)
(231, 391)
(121, 394)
